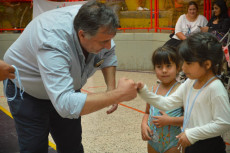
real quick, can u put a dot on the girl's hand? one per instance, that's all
(183, 140)
(146, 132)
(140, 85)
(161, 121)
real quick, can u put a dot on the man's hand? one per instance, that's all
(6, 71)
(127, 89)
(109, 76)
(112, 109)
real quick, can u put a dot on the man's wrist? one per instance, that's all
(109, 88)
(118, 95)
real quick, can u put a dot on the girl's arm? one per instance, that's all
(145, 120)
(165, 119)
(145, 130)
(176, 121)
(163, 103)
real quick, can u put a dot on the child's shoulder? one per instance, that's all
(216, 84)
(154, 87)
(188, 82)
(178, 84)
(217, 89)
(175, 87)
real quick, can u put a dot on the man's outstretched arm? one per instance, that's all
(126, 90)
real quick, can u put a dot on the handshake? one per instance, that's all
(127, 89)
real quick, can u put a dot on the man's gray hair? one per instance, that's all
(94, 15)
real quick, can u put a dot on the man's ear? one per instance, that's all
(81, 34)
(207, 64)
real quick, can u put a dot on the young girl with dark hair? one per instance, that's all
(160, 128)
(205, 100)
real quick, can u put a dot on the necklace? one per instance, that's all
(155, 136)
(188, 112)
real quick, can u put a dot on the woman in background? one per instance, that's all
(220, 21)
(187, 24)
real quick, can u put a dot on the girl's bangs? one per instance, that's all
(161, 57)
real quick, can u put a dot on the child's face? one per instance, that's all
(166, 73)
(193, 70)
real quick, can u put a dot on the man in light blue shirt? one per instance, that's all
(55, 55)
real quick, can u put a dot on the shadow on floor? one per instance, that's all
(8, 135)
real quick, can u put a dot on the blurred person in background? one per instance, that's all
(187, 24)
(219, 23)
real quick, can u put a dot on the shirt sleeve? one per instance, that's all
(220, 122)
(178, 27)
(204, 21)
(54, 66)
(173, 101)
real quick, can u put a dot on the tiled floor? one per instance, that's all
(118, 132)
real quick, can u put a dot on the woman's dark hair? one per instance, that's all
(200, 47)
(223, 9)
(193, 3)
(94, 15)
(164, 55)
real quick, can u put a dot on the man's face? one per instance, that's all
(95, 44)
